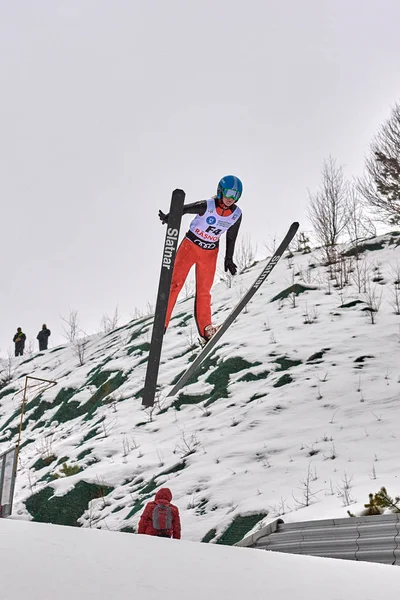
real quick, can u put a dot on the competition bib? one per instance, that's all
(205, 230)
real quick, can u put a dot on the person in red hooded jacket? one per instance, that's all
(160, 517)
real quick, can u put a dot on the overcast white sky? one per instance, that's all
(108, 105)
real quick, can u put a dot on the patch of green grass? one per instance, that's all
(25, 443)
(179, 316)
(284, 380)
(256, 397)
(7, 392)
(364, 248)
(49, 477)
(62, 399)
(136, 334)
(108, 382)
(189, 349)
(318, 356)
(28, 360)
(174, 469)
(64, 510)
(142, 320)
(97, 368)
(361, 359)
(127, 530)
(113, 383)
(39, 411)
(219, 378)
(16, 415)
(140, 349)
(188, 399)
(91, 433)
(238, 528)
(44, 462)
(137, 506)
(296, 288)
(352, 303)
(185, 320)
(84, 453)
(98, 378)
(210, 535)
(286, 363)
(149, 487)
(254, 376)
(177, 378)
(67, 411)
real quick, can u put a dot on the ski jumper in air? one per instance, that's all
(200, 246)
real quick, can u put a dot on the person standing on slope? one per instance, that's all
(161, 518)
(43, 337)
(214, 217)
(19, 341)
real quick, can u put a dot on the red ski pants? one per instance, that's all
(190, 254)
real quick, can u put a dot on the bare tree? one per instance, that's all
(271, 244)
(110, 323)
(395, 292)
(7, 369)
(308, 496)
(77, 336)
(150, 309)
(373, 299)
(358, 225)
(30, 348)
(303, 243)
(79, 346)
(359, 274)
(380, 186)
(226, 278)
(245, 254)
(71, 327)
(328, 208)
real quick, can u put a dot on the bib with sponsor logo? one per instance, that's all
(205, 230)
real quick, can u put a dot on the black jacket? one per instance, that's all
(43, 335)
(19, 338)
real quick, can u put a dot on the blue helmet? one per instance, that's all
(230, 187)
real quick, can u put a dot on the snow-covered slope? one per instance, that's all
(63, 563)
(295, 413)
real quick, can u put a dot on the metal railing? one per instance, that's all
(372, 538)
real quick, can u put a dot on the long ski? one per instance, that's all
(167, 265)
(236, 311)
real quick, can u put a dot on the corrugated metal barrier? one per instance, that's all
(372, 539)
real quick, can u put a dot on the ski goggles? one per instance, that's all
(234, 194)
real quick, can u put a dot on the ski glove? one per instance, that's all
(163, 217)
(230, 266)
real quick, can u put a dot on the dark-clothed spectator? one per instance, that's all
(43, 337)
(160, 517)
(19, 340)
